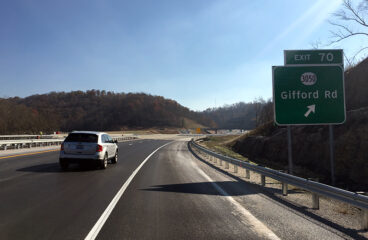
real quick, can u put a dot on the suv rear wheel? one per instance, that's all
(115, 158)
(103, 163)
(63, 164)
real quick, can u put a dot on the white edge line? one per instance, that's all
(105, 215)
(254, 224)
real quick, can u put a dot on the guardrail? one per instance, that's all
(19, 137)
(315, 188)
(30, 143)
(124, 138)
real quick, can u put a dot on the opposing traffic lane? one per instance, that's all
(38, 201)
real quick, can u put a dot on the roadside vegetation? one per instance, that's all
(225, 146)
(219, 144)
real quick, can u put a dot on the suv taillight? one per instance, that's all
(62, 147)
(99, 148)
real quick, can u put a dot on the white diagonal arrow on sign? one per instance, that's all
(311, 108)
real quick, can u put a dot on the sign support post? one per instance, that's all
(290, 150)
(332, 160)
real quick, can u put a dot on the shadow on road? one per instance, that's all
(55, 168)
(207, 188)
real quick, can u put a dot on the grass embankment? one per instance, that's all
(219, 144)
(223, 145)
(267, 146)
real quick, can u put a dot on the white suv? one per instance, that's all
(85, 146)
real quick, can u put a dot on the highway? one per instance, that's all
(152, 193)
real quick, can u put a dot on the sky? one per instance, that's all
(201, 53)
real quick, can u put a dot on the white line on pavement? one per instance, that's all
(105, 215)
(251, 221)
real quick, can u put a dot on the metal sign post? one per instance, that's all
(332, 160)
(290, 150)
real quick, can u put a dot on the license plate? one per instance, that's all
(79, 146)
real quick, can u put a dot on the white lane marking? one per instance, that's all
(251, 221)
(105, 215)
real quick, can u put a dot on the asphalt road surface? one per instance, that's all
(151, 193)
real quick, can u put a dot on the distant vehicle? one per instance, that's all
(88, 147)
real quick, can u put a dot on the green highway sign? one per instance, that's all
(317, 56)
(306, 95)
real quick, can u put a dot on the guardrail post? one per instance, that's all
(263, 180)
(215, 159)
(235, 168)
(5, 147)
(220, 162)
(247, 174)
(284, 189)
(365, 219)
(227, 165)
(315, 201)
(315, 197)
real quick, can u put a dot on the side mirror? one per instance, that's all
(115, 141)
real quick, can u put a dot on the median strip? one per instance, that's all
(27, 154)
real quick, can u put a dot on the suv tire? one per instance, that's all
(114, 160)
(63, 164)
(103, 163)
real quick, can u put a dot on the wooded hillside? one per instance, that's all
(92, 110)
(239, 115)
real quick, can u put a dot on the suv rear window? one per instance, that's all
(82, 137)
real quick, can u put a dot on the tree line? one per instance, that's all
(104, 111)
(241, 115)
(92, 110)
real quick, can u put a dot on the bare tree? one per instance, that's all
(259, 103)
(350, 21)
